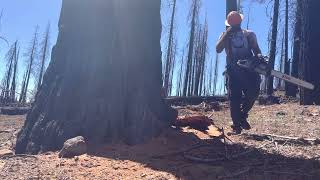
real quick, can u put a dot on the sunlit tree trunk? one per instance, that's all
(104, 78)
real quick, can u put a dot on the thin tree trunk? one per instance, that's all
(187, 81)
(30, 64)
(273, 45)
(216, 69)
(14, 76)
(293, 90)
(281, 63)
(286, 48)
(44, 56)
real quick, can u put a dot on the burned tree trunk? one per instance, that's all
(286, 46)
(187, 85)
(100, 84)
(44, 56)
(231, 6)
(14, 75)
(273, 44)
(293, 89)
(309, 55)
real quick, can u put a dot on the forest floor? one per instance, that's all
(188, 153)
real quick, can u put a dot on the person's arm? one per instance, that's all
(254, 44)
(222, 41)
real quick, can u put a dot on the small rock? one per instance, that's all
(281, 113)
(73, 147)
(2, 164)
(5, 152)
(76, 158)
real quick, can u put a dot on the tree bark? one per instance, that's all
(309, 55)
(100, 84)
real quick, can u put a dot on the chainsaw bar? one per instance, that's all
(261, 66)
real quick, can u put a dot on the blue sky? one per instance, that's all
(20, 17)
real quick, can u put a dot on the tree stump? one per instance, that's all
(104, 78)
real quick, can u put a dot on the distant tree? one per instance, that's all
(10, 73)
(15, 74)
(1, 37)
(31, 58)
(200, 59)
(215, 75)
(187, 85)
(281, 63)
(170, 54)
(180, 74)
(44, 55)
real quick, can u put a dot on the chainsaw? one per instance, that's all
(261, 66)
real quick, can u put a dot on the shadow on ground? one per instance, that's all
(168, 154)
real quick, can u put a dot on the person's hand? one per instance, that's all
(229, 30)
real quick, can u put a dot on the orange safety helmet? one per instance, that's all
(234, 18)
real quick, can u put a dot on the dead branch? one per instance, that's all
(19, 155)
(272, 136)
(291, 138)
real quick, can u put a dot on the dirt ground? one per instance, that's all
(187, 153)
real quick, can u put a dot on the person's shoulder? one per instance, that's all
(247, 31)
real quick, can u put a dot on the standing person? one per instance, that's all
(243, 85)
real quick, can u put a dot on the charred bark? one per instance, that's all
(309, 55)
(99, 83)
(273, 44)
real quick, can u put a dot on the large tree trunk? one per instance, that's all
(309, 53)
(100, 84)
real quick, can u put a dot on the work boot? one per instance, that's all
(236, 130)
(245, 125)
(244, 122)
